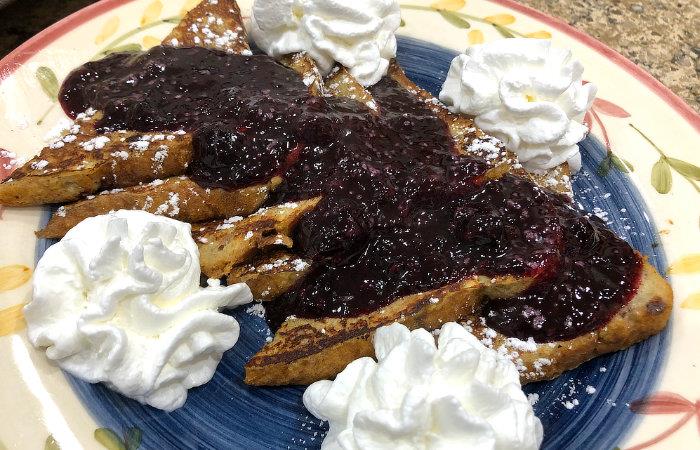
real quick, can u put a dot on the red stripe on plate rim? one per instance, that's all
(42, 39)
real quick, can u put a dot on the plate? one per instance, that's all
(636, 124)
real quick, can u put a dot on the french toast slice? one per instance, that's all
(645, 315)
(212, 25)
(216, 25)
(270, 275)
(304, 350)
(83, 161)
(179, 198)
(307, 350)
(225, 245)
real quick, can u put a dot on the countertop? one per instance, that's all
(662, 36)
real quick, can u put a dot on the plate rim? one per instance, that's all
(48, 36)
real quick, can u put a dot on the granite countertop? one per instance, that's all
(663, 36)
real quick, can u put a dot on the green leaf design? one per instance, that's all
(126, 48)
(109, 439)
(48, 81)
(628, 164)
(504, 32)
(51, 443)
(454, 19)
(612, 160)
(604, 166)
(132, 438)
(661, 176)
(617, 162)
(685, 168)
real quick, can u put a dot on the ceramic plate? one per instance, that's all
(641, 397)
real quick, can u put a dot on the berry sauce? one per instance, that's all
(401, 211)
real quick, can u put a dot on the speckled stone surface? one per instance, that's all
(662, 36)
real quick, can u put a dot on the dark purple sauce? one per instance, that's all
(401, 212)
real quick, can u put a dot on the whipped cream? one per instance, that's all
(118, 301)
(458, 394)
(357, 34)
(526, 93)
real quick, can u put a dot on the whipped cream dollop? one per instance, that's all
(358, 34)
(118, 301)
(418, 395)
(528, 94)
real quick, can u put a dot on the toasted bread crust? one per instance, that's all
(215, 25)
(339, 83)
(69, 172)
(179, 198)
(645, 315)
(308, 350)
(87, 164)
(224, 246)
(304, 351)
(270, 276)
(302, 64)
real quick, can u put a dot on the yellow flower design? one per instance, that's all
(449, 5)
(686, 264)
(500, 19)
(150, 41)
(475, 37)
(541, 34)
(12, 320)
(109, 28)
(14, 276)
(692, 301)
(152, 12)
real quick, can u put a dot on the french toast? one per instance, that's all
(271, 275)
(179, 198)
(645, 315)
(271, 249)
(216, 25)
(83, 161)
(304, 350)
(307, 350)
(86, 160)
(223, 246)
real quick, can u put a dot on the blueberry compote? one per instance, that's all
(400, 213)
